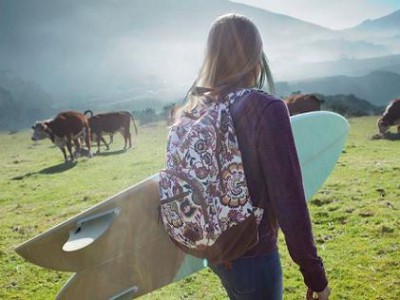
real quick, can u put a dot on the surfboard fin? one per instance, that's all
(89, 229)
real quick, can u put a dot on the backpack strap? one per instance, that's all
(233, 96)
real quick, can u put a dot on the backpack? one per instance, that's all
(205, 204)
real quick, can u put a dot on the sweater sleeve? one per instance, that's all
(282, 175)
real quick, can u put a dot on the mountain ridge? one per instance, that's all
(79, 50)
(378, 87)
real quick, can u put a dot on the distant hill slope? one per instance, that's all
(381, 31)
(22, 102)
(79, 49)
(349, 105)
(378, 87)
(97, 44)
(385, 26)
(345, 66)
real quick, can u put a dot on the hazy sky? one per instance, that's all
(336, 14)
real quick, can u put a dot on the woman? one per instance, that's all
(235, 61)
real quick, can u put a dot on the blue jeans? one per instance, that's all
(252, 278)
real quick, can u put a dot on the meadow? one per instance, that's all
(355, 215)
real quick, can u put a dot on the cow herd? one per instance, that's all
(72, 128)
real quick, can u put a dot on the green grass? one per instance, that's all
(356, 214)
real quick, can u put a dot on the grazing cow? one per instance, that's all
(301, 103)
(65, 128)
(390, 117)
(109, 123)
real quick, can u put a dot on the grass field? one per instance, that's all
(356, 215)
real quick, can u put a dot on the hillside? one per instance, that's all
(130, 54)
(349, 105)
(112, 45)
(381, 31)
(343, 66)
(88, 49)
(22, 102)
(378, 88)
(381, 27)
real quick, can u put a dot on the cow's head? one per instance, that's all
(40, 131)
(382, 126)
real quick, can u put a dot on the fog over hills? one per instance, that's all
(84, 45)
(382, 31)
(387, 26)
(122, 50)
(378, 87)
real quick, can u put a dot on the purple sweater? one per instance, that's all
(274, 180)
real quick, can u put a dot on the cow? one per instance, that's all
(301, 103)
(109, 123)
(390, 117)
(66, 128)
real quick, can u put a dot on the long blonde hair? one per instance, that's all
(234, 59)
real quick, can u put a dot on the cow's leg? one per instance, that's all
(69, 146)
(104, 141)
(88, 140)
(123, 132)
(398, 129)
(98, 143)
(64, 153)
(99, 138)
(77, 147)
(128, 136)
(111, 138)
(129, 139)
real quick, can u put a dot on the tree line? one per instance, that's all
(16, 115)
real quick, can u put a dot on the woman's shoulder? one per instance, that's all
(264, 95)
(252, 103)
(260, 99)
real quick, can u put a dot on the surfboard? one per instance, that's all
(319, 138)
(118, 249)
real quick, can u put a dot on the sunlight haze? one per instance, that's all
(339, 14)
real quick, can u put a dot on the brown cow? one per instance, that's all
(301, 103)
(109, 123)
(65, 128)
(390, 117)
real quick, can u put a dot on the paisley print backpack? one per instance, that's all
(205, 204)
